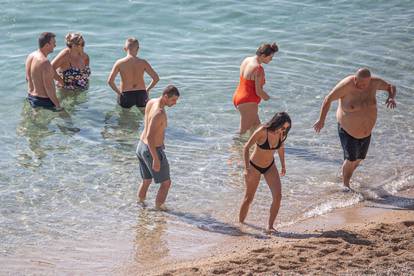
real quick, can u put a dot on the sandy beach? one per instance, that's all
(374, 238)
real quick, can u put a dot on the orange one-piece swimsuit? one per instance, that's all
(246, 91)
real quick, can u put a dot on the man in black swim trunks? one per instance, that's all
(356, 115)
(40, 74)
(132, 90)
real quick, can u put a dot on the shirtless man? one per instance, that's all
(150, 151)
(40, 74)
(356, 115)
(132, 90)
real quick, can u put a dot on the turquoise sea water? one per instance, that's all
(68, 183)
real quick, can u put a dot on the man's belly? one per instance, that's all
(358, 124)
(157, 142)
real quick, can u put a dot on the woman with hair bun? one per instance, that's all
(250, 91)
(72, 63)
(267, 139)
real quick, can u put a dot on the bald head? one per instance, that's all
(362, 78)
(363, 73)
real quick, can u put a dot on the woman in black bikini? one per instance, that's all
(268, 138)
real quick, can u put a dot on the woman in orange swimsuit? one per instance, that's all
(250, 91)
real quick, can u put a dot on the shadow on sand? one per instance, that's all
(210, 224)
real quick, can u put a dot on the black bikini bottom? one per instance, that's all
(260, 169)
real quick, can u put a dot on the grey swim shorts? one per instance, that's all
(145, 163)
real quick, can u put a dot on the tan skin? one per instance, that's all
(40, 74)
(132, 69)
(75, 56)
(357, 110)
(155, 123)
(249, 116)
(263, 158)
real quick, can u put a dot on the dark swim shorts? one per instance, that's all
(354, 148)
(36, 101)
(145, 163)
(138, 98)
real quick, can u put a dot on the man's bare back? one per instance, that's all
(132, 71)
(153, 110)
(37, 68)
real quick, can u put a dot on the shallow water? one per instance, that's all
(68, 183)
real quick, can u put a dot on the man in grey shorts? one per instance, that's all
(150, 151)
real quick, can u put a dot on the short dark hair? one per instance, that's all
(170, 91)
(363, 73)
(45, 38)
(267, 49)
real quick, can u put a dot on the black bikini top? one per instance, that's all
(266, 145)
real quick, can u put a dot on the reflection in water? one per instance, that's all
(127, 122)
(70, 99)
(35, 126)
(121, 125)
(149, 245)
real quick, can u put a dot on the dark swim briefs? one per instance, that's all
(138, 98)
(36, 101)
(145, 163)
(353, 148)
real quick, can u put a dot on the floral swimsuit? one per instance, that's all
(75, 78)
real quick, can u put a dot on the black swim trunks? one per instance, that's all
(138, 98)
(353, 148)
(36, 101)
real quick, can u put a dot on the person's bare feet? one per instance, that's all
(161, 207)
(347, 189)
(270, 230)
(141, 201)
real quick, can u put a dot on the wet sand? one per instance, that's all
(371, 238)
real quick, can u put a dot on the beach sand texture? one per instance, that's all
(377, 240)
(381, 250)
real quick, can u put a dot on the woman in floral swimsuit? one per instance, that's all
(72, 64)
